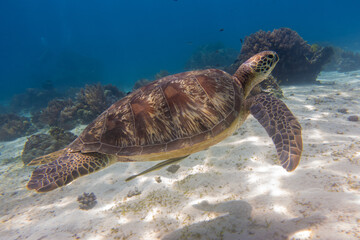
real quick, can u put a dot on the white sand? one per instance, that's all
(233, 190)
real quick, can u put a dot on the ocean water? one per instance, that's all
(136, 39)
(233, 190)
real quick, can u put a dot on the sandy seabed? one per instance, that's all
(233, 190)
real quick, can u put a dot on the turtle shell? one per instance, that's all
(172, 113)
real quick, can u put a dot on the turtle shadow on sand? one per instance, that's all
(238, 223)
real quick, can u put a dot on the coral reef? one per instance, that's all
(270, 85)
(59, 112)
(353, 118)
(89, 103)
(214, 55)
(161, 74)
(13, 126)
(141, 82)
(33, 99)
(87, 201)
(67, 68)
(299, 62)
(36, 146)
(343, 61)
(94, 99)
(112, 93)
(42, 144)
(342, 110)
(62, 137)
(92, 96)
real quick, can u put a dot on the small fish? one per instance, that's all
(190, 43)
(241, 40)
(221, 30)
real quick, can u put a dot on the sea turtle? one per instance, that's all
(172, 118)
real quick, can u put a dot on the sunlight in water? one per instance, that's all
(107, 206)
(151, 214)
(95, 238)
(309, 107)
(200, 168)
(142, 179)
(302, 235)
(59, 204)
(262, 189)
(276, 192)
(123, 220)
(281, 209)
(253, 139)
(272, 187)
(316, 134)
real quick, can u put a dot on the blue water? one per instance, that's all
(128, 40)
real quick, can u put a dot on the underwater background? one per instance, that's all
(62, 63)
(71, 43)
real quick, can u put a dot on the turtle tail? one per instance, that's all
(65, 169)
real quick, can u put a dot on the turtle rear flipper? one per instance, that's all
(281, 125)
(65, 169)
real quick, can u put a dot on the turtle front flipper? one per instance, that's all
(47, 158)
(281, 125)
(65, 169)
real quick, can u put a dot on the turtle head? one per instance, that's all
(256, 69)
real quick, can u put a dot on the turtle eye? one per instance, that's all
(270, 56)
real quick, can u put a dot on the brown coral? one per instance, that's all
(32, 99)
(94, 99)
(90, 102)
(60, 113)
(343, 61)
(87, 201)
(13, 126)
(271, 86)
(144, 81)
(161, 74)
(141, 82)
(42, 144)
(299, 63)
(213, 55)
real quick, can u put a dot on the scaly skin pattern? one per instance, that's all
(174, 117)
(281, 125)
(65, 169)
